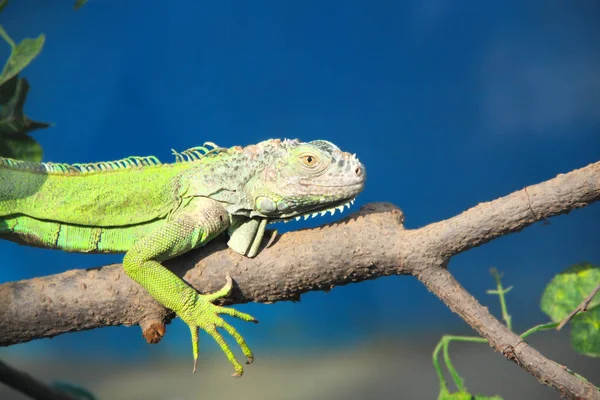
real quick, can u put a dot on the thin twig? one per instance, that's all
(538, 328)
(500, 291)
(30, 386)
(582, 307)
(443, 344)
(7, 38)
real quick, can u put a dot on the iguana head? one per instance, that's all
(304, 179)
(277, 181)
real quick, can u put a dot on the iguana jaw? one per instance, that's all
(338, 206)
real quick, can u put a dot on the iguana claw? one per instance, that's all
(204, 314)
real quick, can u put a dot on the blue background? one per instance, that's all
(447, 103)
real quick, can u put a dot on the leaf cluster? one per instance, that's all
(15, 141)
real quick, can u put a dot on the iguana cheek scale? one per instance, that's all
(153, 211)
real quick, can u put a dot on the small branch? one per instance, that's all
(442, 284)
(539, 328)
(582, 307)
(500, 291)
(7, 38)
(30, 386)
(443, 344)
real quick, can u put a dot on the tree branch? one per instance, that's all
(364, 245)
(512, 213)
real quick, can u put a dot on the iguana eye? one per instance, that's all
(309, 160)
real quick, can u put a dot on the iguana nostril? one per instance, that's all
(358, 171)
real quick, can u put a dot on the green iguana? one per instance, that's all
(153, 212)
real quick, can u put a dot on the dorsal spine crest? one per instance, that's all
(198, 152)
(192, 154)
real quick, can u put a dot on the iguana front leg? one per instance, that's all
(246, 235)
(191, 226)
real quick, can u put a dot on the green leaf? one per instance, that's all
(14, 124)
(3, 4)
(564, 293)
(79, 4)
(7, 91)
(568, 289)
(13, 121)
(22, 147)
(585, 333)
(21, 55)
(455, 396)
(445, 395)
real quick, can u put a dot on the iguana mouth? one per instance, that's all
(351, 186)
(339, 206)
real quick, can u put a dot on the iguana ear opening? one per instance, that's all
(246, 235)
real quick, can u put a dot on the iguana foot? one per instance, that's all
(205, 315)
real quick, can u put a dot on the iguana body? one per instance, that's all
(153, 212)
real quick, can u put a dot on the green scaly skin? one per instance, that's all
(153, 212)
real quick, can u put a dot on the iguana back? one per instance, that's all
(131, 191)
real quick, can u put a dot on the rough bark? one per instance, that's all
(364, 245)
